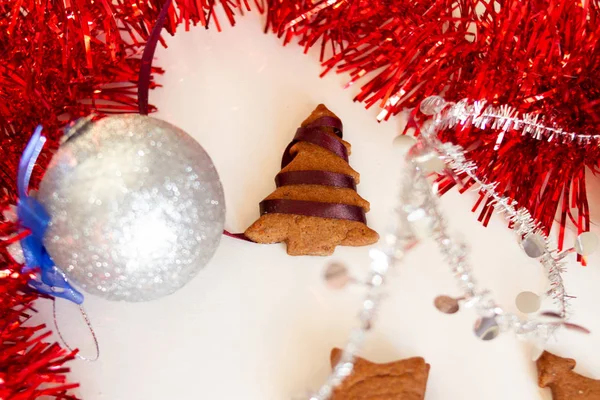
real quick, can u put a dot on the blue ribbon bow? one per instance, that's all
(32, 215)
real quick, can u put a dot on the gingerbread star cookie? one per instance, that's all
(398, 380)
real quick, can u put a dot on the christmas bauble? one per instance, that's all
(136, 207)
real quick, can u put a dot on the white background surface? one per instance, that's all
(256, 324)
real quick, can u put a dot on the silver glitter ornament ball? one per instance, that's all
(136, 207)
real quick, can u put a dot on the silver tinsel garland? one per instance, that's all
(419, 206)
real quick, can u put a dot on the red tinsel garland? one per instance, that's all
(541, 57)
(30, 367)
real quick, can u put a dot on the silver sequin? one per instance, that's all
(586, 243)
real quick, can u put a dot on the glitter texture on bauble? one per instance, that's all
(136, 206)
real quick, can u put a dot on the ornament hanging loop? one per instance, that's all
(88, 323)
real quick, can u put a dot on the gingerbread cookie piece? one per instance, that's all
(557, 373)
(315, 206)
(398, 380)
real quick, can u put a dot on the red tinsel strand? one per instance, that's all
(30, 367)
(59, 61)
(539, 56)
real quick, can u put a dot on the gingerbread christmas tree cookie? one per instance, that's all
(557, 373)
(315, 206)
(398, 380)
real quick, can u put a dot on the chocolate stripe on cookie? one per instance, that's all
(313, 209)
(324, 178)
(314, 134)
(323, 139)
(318, 137)
(328, 122)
